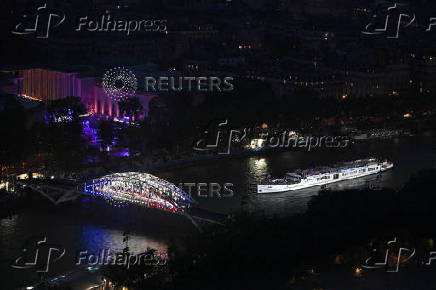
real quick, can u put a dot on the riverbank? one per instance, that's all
(138, 164)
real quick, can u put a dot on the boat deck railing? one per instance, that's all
(324, 170)
(338, 167)
(277, 182)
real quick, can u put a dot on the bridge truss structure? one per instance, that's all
(141, 189)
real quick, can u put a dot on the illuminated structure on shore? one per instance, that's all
(49, 85)
(141, 189)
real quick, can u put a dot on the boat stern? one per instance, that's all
(386, 165)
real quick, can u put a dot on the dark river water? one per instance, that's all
(93, 225)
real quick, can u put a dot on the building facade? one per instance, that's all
(47, 85)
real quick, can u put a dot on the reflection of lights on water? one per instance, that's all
(258, 167)
(95, 238)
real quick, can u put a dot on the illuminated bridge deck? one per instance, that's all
(142, 189)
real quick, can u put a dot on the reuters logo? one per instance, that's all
(119, 83)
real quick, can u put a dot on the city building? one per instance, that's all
(47, 85)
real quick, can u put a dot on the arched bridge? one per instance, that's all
(140, 188)
(129, 187)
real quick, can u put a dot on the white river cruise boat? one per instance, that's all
(324, 175)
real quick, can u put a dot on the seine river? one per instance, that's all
(92, 225)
